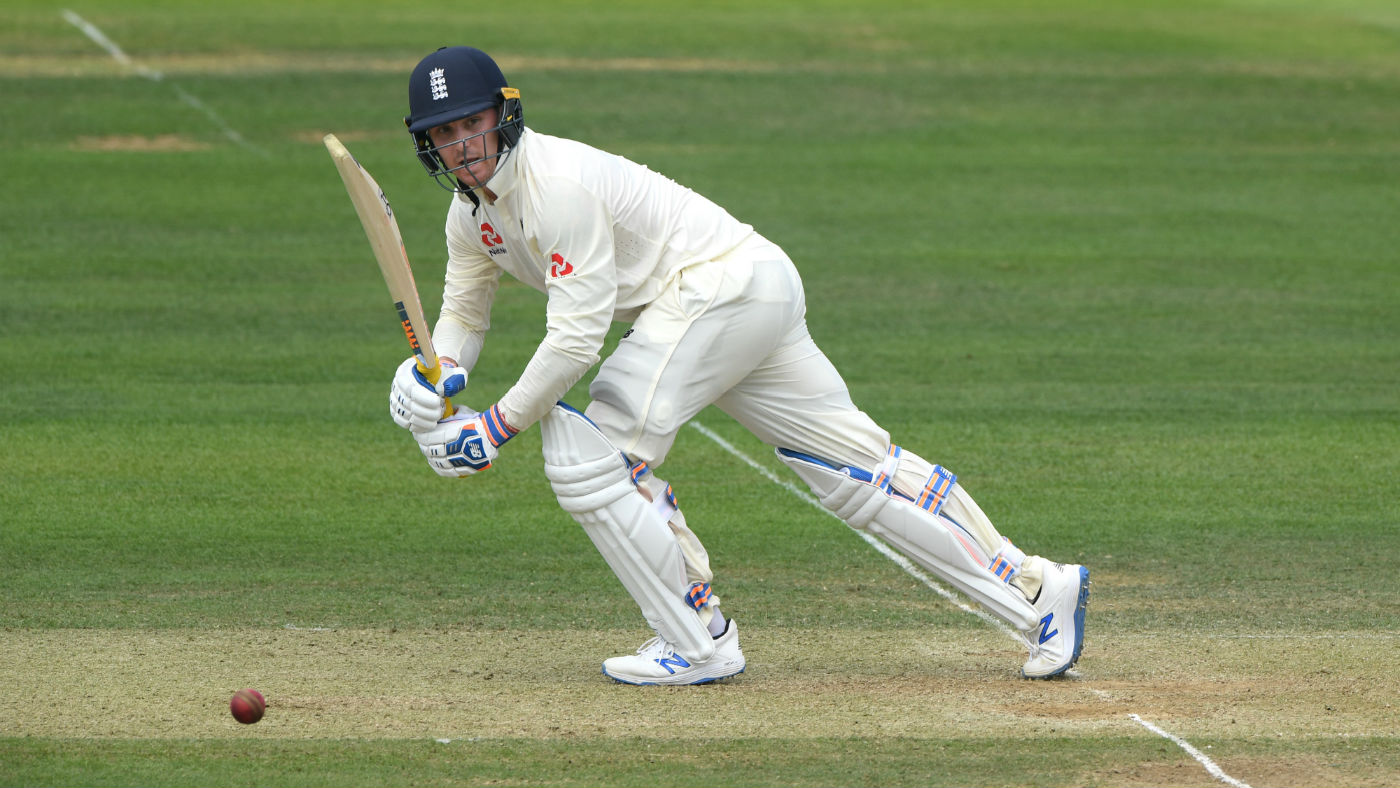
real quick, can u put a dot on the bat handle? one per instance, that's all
(433, 375)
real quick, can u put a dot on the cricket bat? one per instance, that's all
(387, 242)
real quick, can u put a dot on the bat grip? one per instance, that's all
(433, 375)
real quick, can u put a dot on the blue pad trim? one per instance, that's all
(850, 470)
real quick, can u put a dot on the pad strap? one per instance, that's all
(936, 489)
(884, 475)
(665, 501)
(698, 596)
(1006, 564)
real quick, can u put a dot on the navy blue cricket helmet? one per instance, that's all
(450, 84)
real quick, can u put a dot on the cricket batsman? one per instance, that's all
(717, 316)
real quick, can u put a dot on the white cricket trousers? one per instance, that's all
(731, 332)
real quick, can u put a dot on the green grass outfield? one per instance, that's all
(1131, 270)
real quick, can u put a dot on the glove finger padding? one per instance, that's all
(414, 403)
(458, 446)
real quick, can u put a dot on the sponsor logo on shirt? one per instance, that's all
(493, 240)
(560, 268)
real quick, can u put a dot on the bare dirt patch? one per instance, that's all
(1285, 772)
(98, 64)
(800, 684)
(315, 137)
(162, 143)
(257, 63)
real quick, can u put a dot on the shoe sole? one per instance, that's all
(1079, 606)
(702, 680)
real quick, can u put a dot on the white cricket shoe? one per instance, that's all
(657, 662)
(1056, 643)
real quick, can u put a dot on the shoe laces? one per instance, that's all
(657, 647)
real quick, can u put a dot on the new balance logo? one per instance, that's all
(1045, 632)
(672, 662)
(437, 82)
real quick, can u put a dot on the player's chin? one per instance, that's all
(481, 170)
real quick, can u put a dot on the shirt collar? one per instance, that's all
(507, 176)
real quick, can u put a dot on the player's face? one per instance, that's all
(465, 142)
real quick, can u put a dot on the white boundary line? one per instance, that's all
(904, 563)
(1210, 766)
(98, 37)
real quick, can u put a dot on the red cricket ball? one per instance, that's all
(247, 706)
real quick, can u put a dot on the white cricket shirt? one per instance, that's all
(600, 235)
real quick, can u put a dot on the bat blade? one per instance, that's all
(382, 229)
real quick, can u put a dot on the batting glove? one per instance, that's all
(466, 442)
(417, 405)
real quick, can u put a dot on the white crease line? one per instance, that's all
(884, 549)
(101, 39)
(1215, 771)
